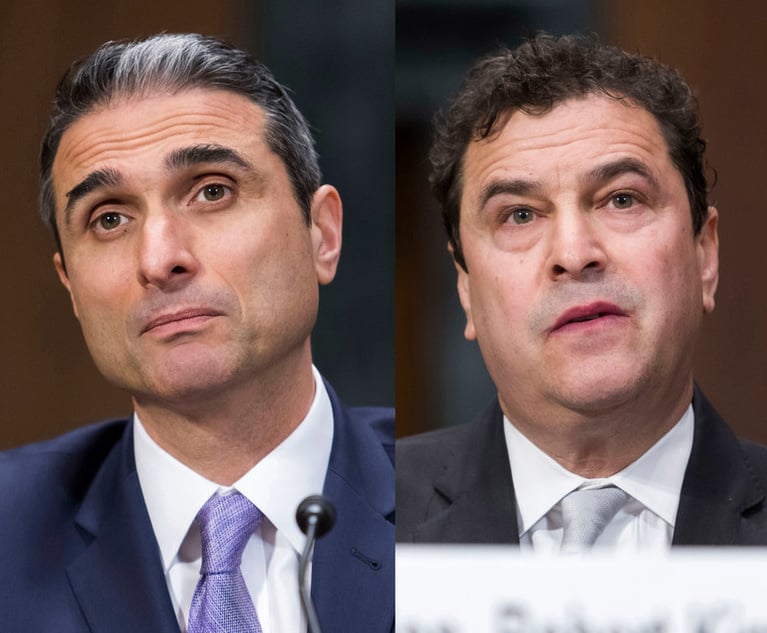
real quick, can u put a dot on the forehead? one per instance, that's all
(136, 128)
(569, 140)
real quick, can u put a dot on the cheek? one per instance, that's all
(263, 271)
(102, 322)
(502, 302)
(97, 293)
(104, 289)
(671, 278)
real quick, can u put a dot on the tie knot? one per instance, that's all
(586, 513)
(226, 523)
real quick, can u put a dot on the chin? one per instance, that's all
(192, 376)
(597, 393)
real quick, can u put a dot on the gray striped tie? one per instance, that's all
(586, 513)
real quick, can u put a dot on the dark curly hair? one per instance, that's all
(543, 72)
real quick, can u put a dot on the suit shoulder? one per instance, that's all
(80, 440)
(422, 458)
(439, 437)
(433, 467)
(380, 420)
(427, 454)
(71, 460)
(421, 461)
(756, 454)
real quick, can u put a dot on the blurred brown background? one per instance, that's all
(339, 63)
(327, 52)
(720, 48)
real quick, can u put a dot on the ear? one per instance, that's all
(464, 294)
(62, 273)
(327, 223)
(708, 258)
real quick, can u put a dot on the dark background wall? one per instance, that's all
(720, 48)
(328, 53)
(338, 60)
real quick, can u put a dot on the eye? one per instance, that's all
(521, 216)
(623, 200)
(110, 220)
(213, 192)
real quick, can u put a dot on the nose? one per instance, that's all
(166, 259)
(576, 246)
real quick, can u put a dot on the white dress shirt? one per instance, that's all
(654, 482)
(174, 495)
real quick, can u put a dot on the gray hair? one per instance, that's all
(169, 63)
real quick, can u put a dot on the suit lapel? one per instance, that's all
(474, 498)
(719, 490)
(353, 565)
(118, 579)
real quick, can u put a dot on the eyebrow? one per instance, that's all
(608, 171)
(516, 187)
(100, 178)
(598, 175)
(177, 159)
(205, 153)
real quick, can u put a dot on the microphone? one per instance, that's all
(315, 516)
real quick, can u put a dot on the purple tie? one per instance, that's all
(221, 602)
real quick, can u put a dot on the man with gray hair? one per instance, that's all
(183, 191)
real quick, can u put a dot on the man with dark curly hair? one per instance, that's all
(571, 180)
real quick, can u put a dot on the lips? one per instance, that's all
(189, 315)
(590, 312)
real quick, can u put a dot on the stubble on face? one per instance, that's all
(242, 264)
(573, 249)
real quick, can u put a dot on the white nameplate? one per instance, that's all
(490, 589)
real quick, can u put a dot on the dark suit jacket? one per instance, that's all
(455, 486)
(78, 554)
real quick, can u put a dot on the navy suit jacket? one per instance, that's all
(78, 553)
(455, 485)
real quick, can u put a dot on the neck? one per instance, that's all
(597, 444)
(224, 436)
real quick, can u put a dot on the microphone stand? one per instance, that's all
(303, 563)
(315, 516)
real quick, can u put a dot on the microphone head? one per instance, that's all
(318, 510)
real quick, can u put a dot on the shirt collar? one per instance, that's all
(655, 479)
(174, 493)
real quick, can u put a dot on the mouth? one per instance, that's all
(599, 310)
(188, 318)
